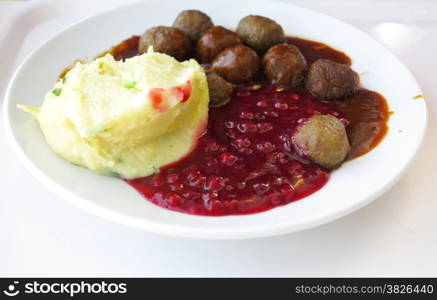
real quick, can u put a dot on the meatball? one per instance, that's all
(168, 40)
(285, 65)
(193, 23)
(329, 80)
(260, 33)
(220, 90)
(238, 64)
(213, 41)
(323, 139)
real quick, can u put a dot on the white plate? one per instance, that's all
(355, 184)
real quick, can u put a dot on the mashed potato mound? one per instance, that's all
(125, 118)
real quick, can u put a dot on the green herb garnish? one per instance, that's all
(56, 92)
(155, 170)
(64, 79)
(113, 174)
(129, 84)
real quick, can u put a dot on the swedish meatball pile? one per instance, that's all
(257, 52)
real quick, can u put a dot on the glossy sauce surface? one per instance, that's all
(245, 162)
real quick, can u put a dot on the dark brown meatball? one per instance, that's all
(238, 64)
(193, 22)
(213, 41)
(260, 33)
(220, 90)
(285, 65)
(330, 80)
(168, 40)
(323, 139)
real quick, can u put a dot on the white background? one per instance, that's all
(43, 235)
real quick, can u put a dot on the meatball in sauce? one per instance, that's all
(285, 65)
(260, 33)
(193, 22)
(238, 64)
(168, 40)
(220, 90)
(323, 139)
(213, 41)
(329, 80)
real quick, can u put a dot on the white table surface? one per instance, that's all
(43, 235)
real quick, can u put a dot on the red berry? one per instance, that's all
(216, 205)
(265, 147)
(215, 183)
(211, 162)
(281, 105)
(246, 151)
(230, 124)
(261, 188)
(191, 173)
(241, 142)
(198, 181)
(172, 178)
(232, 133)
(246, 115)
(211, 147)
(294, 96)
(246, 127)
(262, 103)
(229, 187)
(228, 159)
(158, 181)
(191, 195)
(177, 187)
(174, 200)
(260, 116)
(264, 127)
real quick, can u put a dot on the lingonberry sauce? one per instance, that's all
(245, 162)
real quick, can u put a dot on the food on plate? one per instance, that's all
(330, 80)
(220, 90)
(125, 118)
(193, 22)
(261, 123)
(285, 65)
(168, 40)
(237, 64)
(323, 139)
(213, 41)
(260, 33)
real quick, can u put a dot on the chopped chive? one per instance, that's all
(56, 92)
(155, 170)
(64, 79)
(113, 174)
(129, 84)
